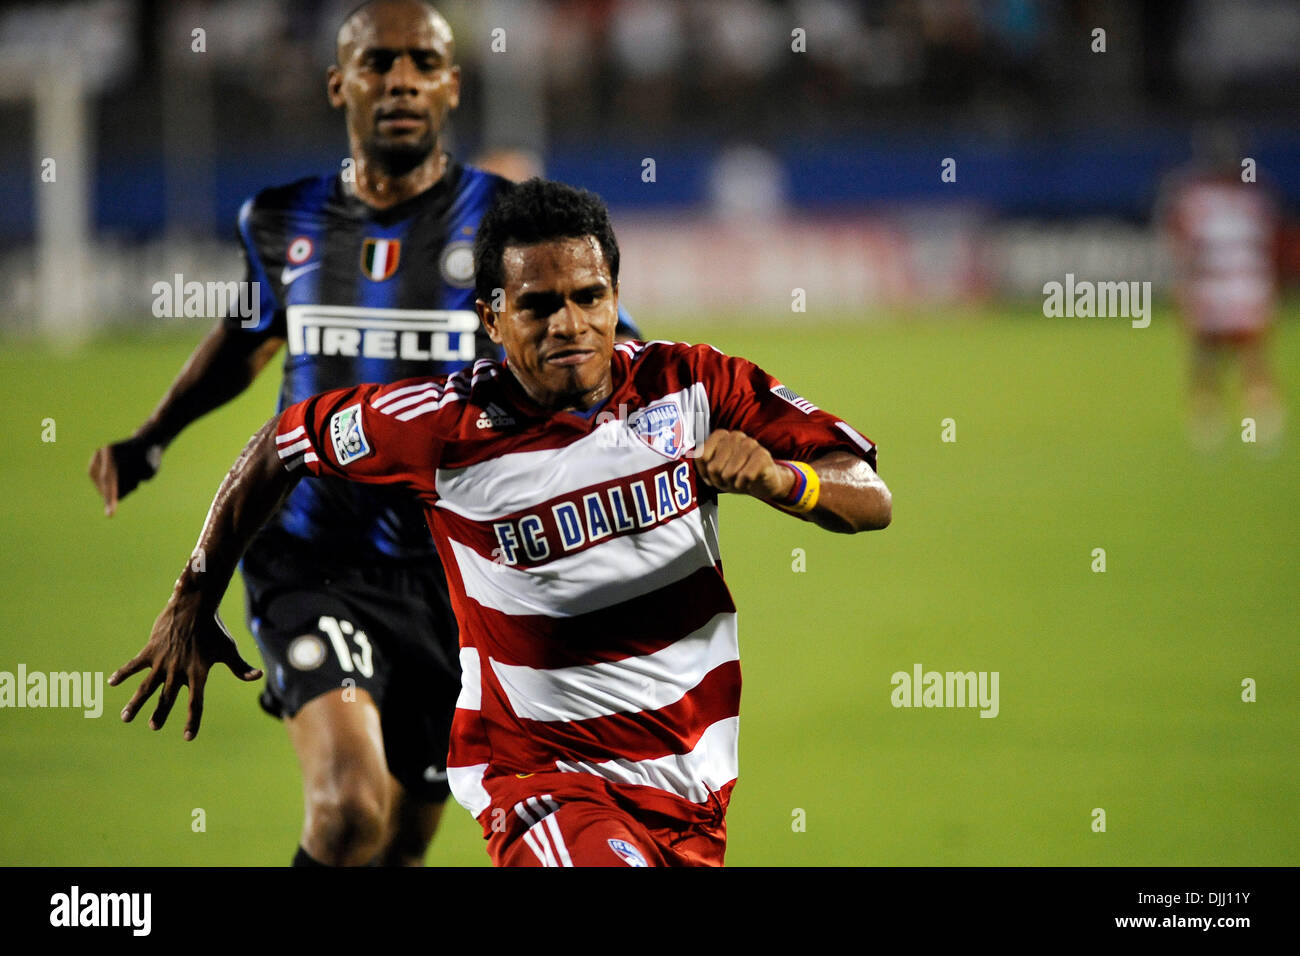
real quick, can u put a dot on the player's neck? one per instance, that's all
(551, 402)
(380, 189)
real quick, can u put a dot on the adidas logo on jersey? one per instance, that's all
(493, 417)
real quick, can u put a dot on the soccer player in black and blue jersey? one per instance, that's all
(366, 278)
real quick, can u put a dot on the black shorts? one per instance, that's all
(386, 627)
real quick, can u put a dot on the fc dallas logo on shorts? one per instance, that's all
(627, 852)
(379, 258)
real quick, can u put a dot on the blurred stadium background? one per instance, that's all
(773, 171)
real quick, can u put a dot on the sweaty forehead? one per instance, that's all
(556, 263)
(397, 25)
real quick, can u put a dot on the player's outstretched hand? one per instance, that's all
(734, 462)
(181, 650)
(116, 469)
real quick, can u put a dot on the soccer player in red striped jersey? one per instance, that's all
(1223, 233)
(572, 492)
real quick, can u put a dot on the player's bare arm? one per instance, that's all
(849, 496)
(188, 637)
(221, 367)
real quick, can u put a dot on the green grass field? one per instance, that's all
(1118, 690)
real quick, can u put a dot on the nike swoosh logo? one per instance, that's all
(288, 275)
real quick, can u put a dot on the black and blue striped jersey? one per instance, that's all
(365, 295)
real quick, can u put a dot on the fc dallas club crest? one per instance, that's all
(379, 258)
(661, 426)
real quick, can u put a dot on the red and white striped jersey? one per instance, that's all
(597, 634)
(1223, 234)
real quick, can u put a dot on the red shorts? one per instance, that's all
(579, 830)
(1227, 338)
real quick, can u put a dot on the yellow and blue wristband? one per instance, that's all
(804, 492)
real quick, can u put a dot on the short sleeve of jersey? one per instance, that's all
(268, 320)
(743, 397)
(375, 434)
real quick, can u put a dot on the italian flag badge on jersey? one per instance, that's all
(379, 258)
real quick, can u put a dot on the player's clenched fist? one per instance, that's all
(734, 462)
(182, 649)
(116, 469)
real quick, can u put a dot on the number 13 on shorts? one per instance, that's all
(338, 632)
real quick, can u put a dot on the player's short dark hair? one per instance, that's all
(347, 17)
(538, 210)
(365, 4)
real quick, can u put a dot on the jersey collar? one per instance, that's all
(437, 199)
